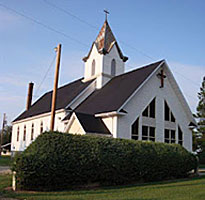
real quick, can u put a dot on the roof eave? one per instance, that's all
(145, 81)
(110, 114)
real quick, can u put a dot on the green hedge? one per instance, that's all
(57, 161)
(201, 158)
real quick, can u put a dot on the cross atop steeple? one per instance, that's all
(106, 13)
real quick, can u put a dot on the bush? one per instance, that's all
(201, 158)
(57, 161)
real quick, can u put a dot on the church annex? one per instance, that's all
(143, 104)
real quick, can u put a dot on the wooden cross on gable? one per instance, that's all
(162, 77)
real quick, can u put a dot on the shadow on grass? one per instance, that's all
(112, 189)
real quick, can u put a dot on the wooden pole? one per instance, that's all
(2, 131)
(53, 105)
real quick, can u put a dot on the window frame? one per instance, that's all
(148, 110)
(32, 131)
(168, 114)
(135, 130)
(170, 139)
(93, 68)
(24, 133)
(41, 127)
(148, 137)
(180, 141)
(113, 67)
(18, 132)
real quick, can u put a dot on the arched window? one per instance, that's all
(32, 131)
(24, 133)
(41, 127)
(93, 68)
(113, 67)
(17, 139)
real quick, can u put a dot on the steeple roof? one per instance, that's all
(105, 41)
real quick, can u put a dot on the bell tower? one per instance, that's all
(105, 59)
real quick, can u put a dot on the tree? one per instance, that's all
(6, 138)
(7, 134)
(199, 132)
(200, 115)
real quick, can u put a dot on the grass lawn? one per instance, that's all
(5, 160)
(192, 189)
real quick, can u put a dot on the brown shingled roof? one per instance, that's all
(112, 96)
(65, 95)
(109, 98)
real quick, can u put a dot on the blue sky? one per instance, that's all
(147, 31)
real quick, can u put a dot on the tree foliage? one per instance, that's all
(200, 114)
(199, 132)
(6, 134)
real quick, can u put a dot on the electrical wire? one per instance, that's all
(70, 14)
(95, 27)
(43, 25)
(44, 77)
(71, 38)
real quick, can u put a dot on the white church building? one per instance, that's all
(143, 104)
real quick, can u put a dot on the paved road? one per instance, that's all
(201, 172)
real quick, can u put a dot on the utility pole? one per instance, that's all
(2, 131)
(53, 105)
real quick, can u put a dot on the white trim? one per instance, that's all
(146, 80)
(109, 114)
(89, 79)
(180, 95)
(97, 75)
(72, 119)
(37, 116)
(80, 94)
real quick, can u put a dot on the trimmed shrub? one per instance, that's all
(201, 158)
(57, 161)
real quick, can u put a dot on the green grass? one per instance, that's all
(5, 160)
(192, 189)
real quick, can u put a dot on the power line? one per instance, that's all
(70, 14)
(94, 27)
(44, 77)
(71, 38)
(42, 24)
(186, 78)
(139, 51)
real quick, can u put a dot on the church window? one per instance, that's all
(24, 133)
(150, 110)
(180, 136)
(32, 131)
(113, 67)
(135, 130)
(169, 136)
(148, 133)
(168, 115)
(17, 139)
(93, 68)
(41, 127)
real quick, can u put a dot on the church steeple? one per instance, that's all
(105, 41)
(105, 59)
